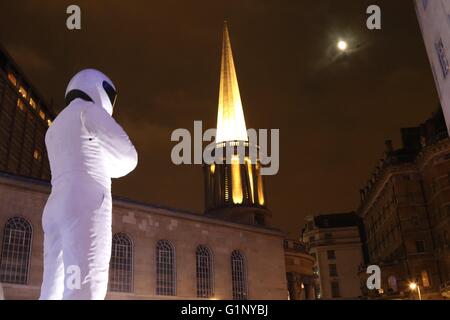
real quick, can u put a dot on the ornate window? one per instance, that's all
(205, 275)
(239, 276)
(165, 268)
(121, 265)
(16, 251)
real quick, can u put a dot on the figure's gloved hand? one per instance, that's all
(120, 154)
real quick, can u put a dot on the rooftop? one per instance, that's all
(45, 186)
(414, 140)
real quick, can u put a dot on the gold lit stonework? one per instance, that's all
(230, 119)
(260, 185)
(236, 180)
(233, 184)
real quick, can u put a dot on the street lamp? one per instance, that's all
(413, 286)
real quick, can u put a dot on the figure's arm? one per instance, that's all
(121, 155)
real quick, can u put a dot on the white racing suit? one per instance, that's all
(86, 148)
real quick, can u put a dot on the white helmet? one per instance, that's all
(92, 85)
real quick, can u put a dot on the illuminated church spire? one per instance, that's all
(230, 118)
(234, 189)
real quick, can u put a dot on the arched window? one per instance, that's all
(121, 265)
(239, 276)
(165, 268)
(16, 251)
(205, 284)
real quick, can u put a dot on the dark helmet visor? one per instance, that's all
(112, 94)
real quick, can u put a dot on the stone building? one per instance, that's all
(299, 270)
(406, 211)
(158, 253)
(230, 252)
(334, 240)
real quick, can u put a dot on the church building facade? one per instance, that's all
(229, 252)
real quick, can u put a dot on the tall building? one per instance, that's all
(157, 252)
(234, 189)
(334, 240)
(24, 119)
(405, 207)
(434, 24)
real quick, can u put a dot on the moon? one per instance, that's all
(342, 45)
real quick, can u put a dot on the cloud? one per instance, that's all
(29, 58)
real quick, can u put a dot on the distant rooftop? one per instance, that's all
(414, 140)
(336, 220)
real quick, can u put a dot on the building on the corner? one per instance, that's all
(405, 207)
(299, 270)
(24, 119)
(433, 17)
(334, 240)
(158, 252)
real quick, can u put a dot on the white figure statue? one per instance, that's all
(86, 148)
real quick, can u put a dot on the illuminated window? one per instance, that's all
(42, 114)
(121, 265)
(20, 104)
(425, 279)
(23, 92)
(37, 155)
(205, 287)
(165, 269)
(12, 78)
(16, 251)
(33, 103)
(239, 276)
(236, 182)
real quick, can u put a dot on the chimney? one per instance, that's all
(388, 147)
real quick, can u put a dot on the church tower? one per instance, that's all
(234, 188)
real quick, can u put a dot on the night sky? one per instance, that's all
(334, 111)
